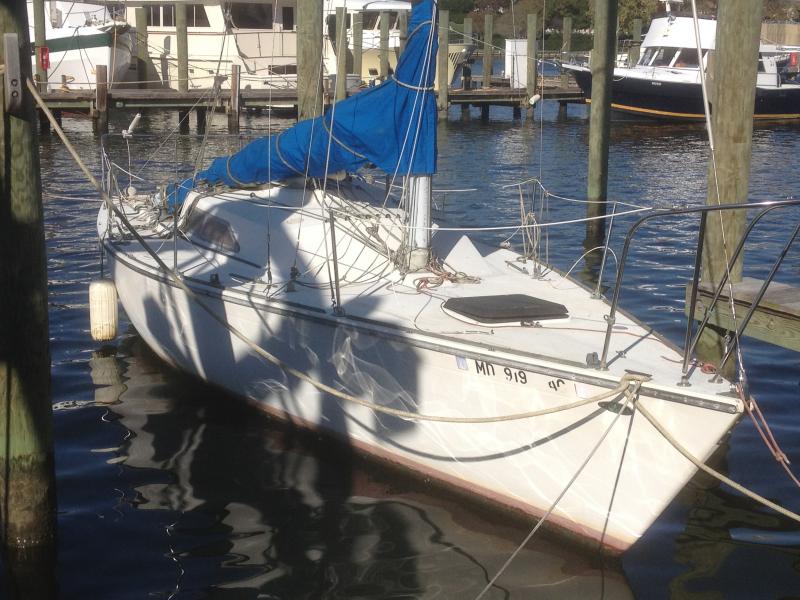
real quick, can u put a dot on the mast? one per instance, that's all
(419, 221)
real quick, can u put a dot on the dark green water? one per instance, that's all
(170, 489)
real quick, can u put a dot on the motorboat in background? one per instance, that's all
(80, 36)
(665, 83)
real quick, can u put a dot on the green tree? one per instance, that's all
(636, 9)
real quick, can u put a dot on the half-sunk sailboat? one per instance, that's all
(279, 277)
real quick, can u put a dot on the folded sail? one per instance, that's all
(392, 126)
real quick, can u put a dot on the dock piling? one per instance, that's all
(636, 42)
(488, 50)
(603, 59)
(384, 41)
(734, 68)
(402, 26)
(101, 99)
(181, 34)
(234, 107)
(40, 41)
(27, 482)
(309, 58)
(358, 43)
(341, 53)
(442, 62)
(532, 70)
(142, 50)
(566, 44)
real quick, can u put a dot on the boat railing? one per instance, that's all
(692, 337)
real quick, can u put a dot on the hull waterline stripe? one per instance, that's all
(698, 116)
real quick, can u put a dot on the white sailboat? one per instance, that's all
(277, 277)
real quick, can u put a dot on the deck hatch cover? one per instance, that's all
(506, 308)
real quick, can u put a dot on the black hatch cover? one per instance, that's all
(506, 308)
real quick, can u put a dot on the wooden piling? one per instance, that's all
(531, 64)
(566, 44)
(732, 85)
(357, 22)
(442, 62)
(27, 482)
(142, 47)
(201, 114)
(488, 51)
(341, 53)
(181, 36)
(636, 42)
(384, 41)
(467, 29)
(39, 42)
(603, 59)
(402, 26)
(101, 99)
(309, 58)
(234, 108)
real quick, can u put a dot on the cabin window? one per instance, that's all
(212, 230)
(196, 16)
(283, 70)
(287, 18)
(663, 57)
(761, 68)
(251, 16)
(647, 57)
(687, 58)
(164, 16)
(372, 20)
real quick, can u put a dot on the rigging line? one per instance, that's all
(707, 111)
(629, 392)
(531, 226)
(171, 133)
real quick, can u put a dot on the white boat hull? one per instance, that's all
(523, 466)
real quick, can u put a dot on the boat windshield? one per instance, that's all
(670, 57)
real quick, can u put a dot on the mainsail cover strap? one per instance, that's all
(413, 87)
(281, 158)
(340, 142)
(372, 126)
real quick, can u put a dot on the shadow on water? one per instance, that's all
(252, 508)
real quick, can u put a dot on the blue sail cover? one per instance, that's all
(392, 126)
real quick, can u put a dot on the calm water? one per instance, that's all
(169, 489)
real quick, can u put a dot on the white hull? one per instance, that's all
(421, 364)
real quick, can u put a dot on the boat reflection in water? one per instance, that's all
(256, 509)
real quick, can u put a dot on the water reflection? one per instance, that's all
(256, 509)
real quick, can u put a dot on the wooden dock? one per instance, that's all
(776, 320)
(90, 102)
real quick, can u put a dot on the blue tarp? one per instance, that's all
(392, 126)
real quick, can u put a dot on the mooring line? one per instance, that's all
(630, 394)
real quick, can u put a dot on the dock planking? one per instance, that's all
(775, 321)
(84, 100)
